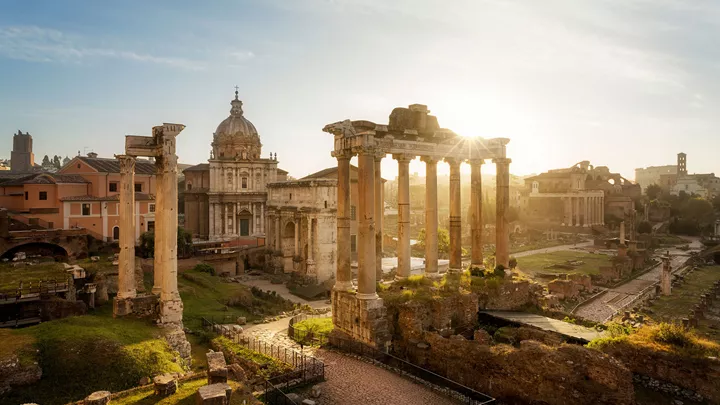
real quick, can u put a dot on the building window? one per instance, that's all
(86, 209)
(78, 166)
(151, 207)
(229, 177)
(290, 196)
(113, 187)
(325, 203)
(26, 196)
(116, 233)
(151, 226)
(43, 196)
(244, 183)
(353, 243)
(353, 212)
(189, 186)
(138, 187)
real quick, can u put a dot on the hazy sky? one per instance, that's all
(622, 83)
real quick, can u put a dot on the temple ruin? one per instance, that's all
(410, 133)
(160, 146)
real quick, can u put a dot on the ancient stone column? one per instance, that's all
(622, 233)
(171, 307)
(366, 226)
(379, 214)
(403, 247)
(502, 236)
(586, 212)
(431, 217)
(343, 278)
(297, 235)
(476, 211)
(577, 211)
(665, 276)
(278, 243)
(159, 229)
(126, 260)
(455, 216)
(602, 210)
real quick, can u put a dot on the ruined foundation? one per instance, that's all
(362, 320)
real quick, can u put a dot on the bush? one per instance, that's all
(499, 271)
(476, 271)
(672, 334)
(204, 268)
(513, 263)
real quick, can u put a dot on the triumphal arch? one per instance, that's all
(161, 147)
(410, 133)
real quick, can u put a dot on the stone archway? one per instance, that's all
(36, 248)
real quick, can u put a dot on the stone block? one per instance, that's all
(122, 307)
(165, 385)
(308, 402)
(98, 398)
(214, 394)
(236, 372)
(241, 320)
(482, 337)
(217, 368)
(315, 391)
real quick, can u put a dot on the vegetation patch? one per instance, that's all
(422, 289)
(185, 395)
(11, 276)
(664, 337)
(80, 355)
(309, 329)
(586, 263)
(266, 366)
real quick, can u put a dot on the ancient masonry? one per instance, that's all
(411, 132)
(161, 146)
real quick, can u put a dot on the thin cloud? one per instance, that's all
(44, 45)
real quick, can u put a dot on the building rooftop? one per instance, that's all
(112, 165)
(44, 178)
(116, 197)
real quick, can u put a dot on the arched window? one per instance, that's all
(116, 233)
(289, 231)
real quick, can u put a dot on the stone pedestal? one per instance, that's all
(122, 307)
(363, 320)
(217, 368)
(98, 398)
(165, 385)
(214, 394)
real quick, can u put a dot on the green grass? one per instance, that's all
(684, 297)
(79, 355)
(537, 263)
(185, 395)
(269, 367)
(11, 276)
(664, 337)
(312, 327)
(207, 296)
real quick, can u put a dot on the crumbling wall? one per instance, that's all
(363, 320)
(510, 295)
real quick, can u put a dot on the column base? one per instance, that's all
(364, 296)
(171, 311)
(122, 307)
(433, 276)
(454, 271)
(399, 277)
(156, 290)
(343, 286)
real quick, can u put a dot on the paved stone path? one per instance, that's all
(350, 381)
(548, 324)
(612, 300)
(283, 291)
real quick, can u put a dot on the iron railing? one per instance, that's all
(304, 336)
(446, 387)
(32, 291)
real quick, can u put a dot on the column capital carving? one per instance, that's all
(502, 161)
(342, 154)
(364, 150)
(403, 157)
(476, 162)
(127, 163)
(453, 162)
(429, 160)
(379, 155)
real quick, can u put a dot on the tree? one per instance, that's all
(653, 191)
(644, 227)
(46, 161)
(443, 240)
(57, 162)
(184, 243)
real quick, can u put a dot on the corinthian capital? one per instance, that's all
(127, 163)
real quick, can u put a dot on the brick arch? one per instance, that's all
(35, 247)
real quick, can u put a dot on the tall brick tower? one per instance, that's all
(22, 159)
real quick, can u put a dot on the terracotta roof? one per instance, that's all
(202, 167)
(116, 197)
(46, 178)
(108, 165)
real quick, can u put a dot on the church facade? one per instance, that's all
(226, 198)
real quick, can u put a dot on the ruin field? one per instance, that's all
(674, 307)
(11, 275)
(563, 262)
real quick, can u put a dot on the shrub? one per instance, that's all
(513, 263)
(672, 334)
(204, 268)
(476, 271)
(499, 271)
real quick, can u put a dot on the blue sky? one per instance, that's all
(622, 83)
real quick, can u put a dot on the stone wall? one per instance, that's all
(57, 308)
(510, 295)
(176, 339)
(363, 320)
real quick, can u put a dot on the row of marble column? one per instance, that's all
(370, 212)
(220, 226)
(166, 222)
(584, 211)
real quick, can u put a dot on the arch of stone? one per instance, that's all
(161, 147)
(411, 133)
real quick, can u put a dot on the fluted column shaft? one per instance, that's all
(476, 211)
(159, 233)
(379, 214)
(366, 227)
(126, 259)
(343, 278)
(431, 217)
(403, 248)
(502, 235)
(455, 216)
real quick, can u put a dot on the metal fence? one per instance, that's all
(449, 388)
(306, 369)
(304, 336)
(32, 291)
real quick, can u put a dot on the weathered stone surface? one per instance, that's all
(364, 320)
(315, 391)
(56, 308)
(14, 373)
(145, 306)
(165, 385)
(295, 398)
(236, 372)
(241, 320)
(98, 398)
(214, 394)
(176, 339)
(482, 337)
(308, 402)
(217, 368)
(564, 289)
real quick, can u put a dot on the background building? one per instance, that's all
(22, 159)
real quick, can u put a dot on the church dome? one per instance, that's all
(236, 137)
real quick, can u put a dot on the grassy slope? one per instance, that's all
(207, 296)
(676, 306)
(79, 355)
(11, 276)
(538, 263)
(185, 395)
